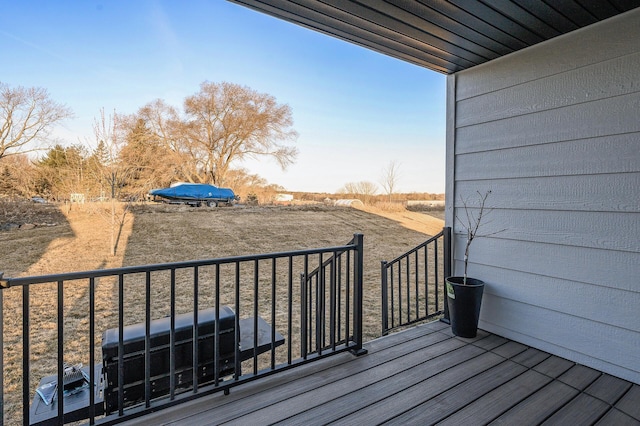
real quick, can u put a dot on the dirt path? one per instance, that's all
(412, 220)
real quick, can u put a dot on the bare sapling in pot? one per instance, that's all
(471, 226)
(464, 294)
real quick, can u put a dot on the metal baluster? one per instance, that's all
(60, 390)
(399, 293)
(290, 312)
(332, 302)
(347, 301)
(426, 280)
(417, 267)
(195, 332)
(147, 341)
(92, 354)
(216, 329)
(320, 306)
(385, 297)
(393, 302)
(408, 280)
(120, 345)
(25, 353)
(237, 369)
(172, 338)
(255, 315)
(303, 305)
(273, 314)
(339, 296)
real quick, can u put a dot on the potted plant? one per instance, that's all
(464, 294)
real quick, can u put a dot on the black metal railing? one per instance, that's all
(413, 283)
(51, 321)
(326, 302)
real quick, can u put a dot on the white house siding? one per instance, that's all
(554, 132)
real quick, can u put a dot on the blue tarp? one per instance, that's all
(195, 192)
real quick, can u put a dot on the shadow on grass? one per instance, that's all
(26, 231)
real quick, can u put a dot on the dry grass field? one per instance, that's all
(155, 233)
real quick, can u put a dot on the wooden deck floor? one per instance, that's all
(423, 376)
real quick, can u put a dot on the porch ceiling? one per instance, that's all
(443, 35)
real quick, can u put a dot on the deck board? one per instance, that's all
(582, 410)
(340, 408)
(422, 375)
(447, 403)
(617, 418)
(539, 406)
(349, 383)
(579, 376)
(608, 389)
(530, 357)
(630, 402)
(338, 381)
(554, 366)
(486, 408)
(395, 405)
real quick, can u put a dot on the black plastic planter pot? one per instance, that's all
(464, 305)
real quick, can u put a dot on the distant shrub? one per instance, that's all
(252, 199)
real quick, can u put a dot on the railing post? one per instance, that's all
(358, 350)
(446, 231)
(385, 298)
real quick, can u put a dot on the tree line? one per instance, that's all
(130, 154)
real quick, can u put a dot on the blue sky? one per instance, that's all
(355, 110)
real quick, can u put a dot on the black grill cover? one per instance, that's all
(134, 348)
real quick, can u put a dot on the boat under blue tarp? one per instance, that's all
(196, 193)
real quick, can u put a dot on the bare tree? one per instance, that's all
(389, 179)
(111, 170)
(244, 183)
(228, 122)
(166, 130)
(222, 123)
(27, 116)
(18, 176)
(362, 190)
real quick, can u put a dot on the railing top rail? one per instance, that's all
(7, 282)
(418, 247)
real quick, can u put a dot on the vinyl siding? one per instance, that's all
(554, 132)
